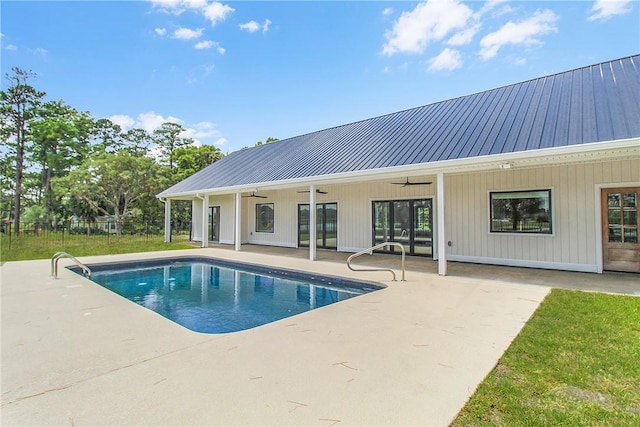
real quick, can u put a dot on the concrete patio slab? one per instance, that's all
(74, 353)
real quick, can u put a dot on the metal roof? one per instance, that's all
(596, 103)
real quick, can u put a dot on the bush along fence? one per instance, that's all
(35, 233)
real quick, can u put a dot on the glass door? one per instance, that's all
(303, 225)
(620, 224)
(422, 233)
(214, 224)
(326, 225)
(381, 223)
(330, 220)
(402, 224)
(408, 222)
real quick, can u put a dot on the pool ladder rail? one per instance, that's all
(370, 251)
(58, 256)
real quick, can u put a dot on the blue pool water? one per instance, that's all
(214, 296)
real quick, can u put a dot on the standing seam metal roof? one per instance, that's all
(596, 103)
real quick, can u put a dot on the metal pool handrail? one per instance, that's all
(369, 251)
(58, 255)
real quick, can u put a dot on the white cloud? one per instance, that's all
(125, 122)
(519, 33)
(195, 4)
(465, 36)
(490, 5)
(187, 33)
(204, 44)
(150, 121)
(387, 11)
(253, 26)
(216, 12)
(520, 61)
(604, 9)
(431, 20)
(160, 31)
(11, 47)
(449, 59)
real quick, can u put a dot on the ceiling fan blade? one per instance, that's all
(407, 182)
(253, 194)
(317, 191)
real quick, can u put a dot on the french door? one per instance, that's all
(620, 224)
(326, 225)
(409, 222)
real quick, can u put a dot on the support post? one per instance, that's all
(238, 233)
(312, 222)
(442, 237)
(205, 221)
(167, 220)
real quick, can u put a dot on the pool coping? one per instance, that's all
(410, 354)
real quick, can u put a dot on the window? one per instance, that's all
(527, 212)
(264, 217)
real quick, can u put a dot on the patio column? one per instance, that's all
(312, 222)
(442, 238)
(205, 221)
(167, 220)
(238, 234)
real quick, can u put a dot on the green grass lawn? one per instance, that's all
(29, 247)
(575, 363)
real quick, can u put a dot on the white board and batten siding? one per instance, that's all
(574, 244)
(354, 211)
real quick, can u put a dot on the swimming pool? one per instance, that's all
(216, 296)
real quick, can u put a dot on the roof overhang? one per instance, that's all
(582, 153)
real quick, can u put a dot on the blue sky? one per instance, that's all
(233, 73)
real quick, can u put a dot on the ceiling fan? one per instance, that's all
(317, 191)
(253, 194)
(407, 182)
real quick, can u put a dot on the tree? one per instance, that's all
(167, 138)
(136, 141)
(107, 136)
(19, 104)
(111, 183)
(60, 141)
(191, 159)
(269, 140)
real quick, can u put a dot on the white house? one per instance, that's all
(543, 173)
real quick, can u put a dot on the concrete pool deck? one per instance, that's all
(74, 353)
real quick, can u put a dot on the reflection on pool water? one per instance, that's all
(215, 296)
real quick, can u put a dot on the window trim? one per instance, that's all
(551, 232)
(257, 218)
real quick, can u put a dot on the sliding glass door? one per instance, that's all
(408, 222)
